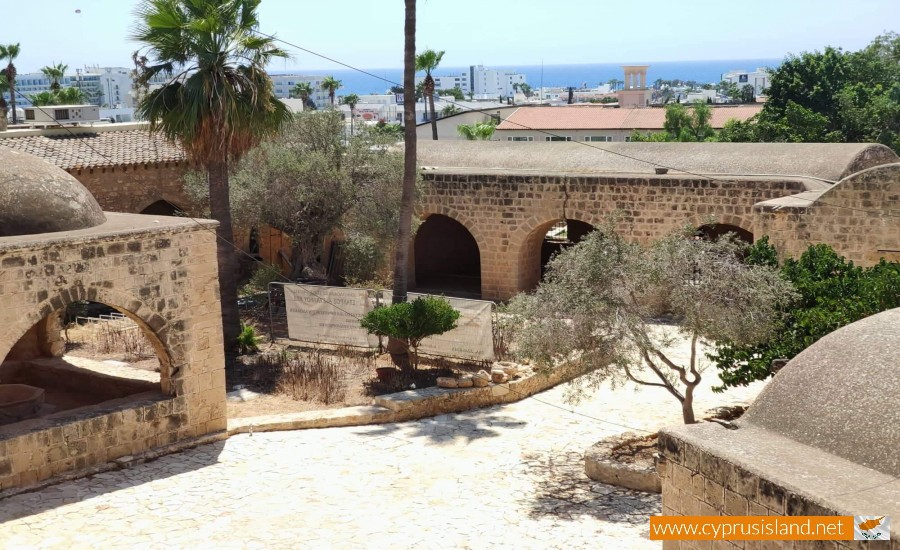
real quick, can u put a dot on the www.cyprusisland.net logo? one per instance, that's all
(871, 528)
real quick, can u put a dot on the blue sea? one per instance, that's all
(590, 74)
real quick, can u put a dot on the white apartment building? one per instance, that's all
(284, 84)
(481, 81)
(491, 82)
(108, 87)
(759, 79)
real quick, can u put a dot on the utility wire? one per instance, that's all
(195, 220)
(631, 157)
(587, 144)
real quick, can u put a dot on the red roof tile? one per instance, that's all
(88, 150)
(582, 117)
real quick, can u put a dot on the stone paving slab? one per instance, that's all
(507, 476)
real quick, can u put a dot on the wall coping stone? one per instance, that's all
(118, 226)
(821, 482)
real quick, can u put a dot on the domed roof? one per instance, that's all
(841, 394)
(37, 197)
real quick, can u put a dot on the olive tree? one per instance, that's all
(599, 304)
(308, 181)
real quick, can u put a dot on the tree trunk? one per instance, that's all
(687, 405)
(220, 209)
(433, 118)
(409, 155)
(11, 75)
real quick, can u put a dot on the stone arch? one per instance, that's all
(726, 223)
(160, 207)
(152, 325)
(457, 216)
(725, 220)
(528, 249)
(446, 257)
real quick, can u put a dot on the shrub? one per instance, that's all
(361, 258)
(412, 322)
(263, 275)
(247, 340)
(833, 293)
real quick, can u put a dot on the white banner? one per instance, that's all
(473, 337)
(328, 315)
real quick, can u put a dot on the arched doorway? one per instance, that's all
(78, 359)
(561, 235)
(714, 231)
(447, 258)
(543, 243)
(162, 208)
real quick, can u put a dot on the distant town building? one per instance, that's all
(635, 92)
(480, 81)
(597, 123)
(759, 79)
(108, 87)
(284, 85)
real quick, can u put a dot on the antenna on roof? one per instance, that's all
(541, 102)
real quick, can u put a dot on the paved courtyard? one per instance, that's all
(504, 477)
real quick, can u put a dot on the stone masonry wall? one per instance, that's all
(509, 214)
(696, 483)
(131, 188)
(859, 217)
(165, 279)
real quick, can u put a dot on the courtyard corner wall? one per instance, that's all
(859, 216)
(164, 276)
(132, 188)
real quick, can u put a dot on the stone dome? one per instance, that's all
(37, 197)
(841, 394)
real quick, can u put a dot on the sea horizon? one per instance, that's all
(570, 74)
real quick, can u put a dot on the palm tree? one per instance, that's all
(4, 108)
(331, 85)
(526, 89)
(613, 83)
(477, 130)
(42, 99)
(428, 61)
(218, 103)
(304, 91)
(10, 52)
(71, 96)
(351, 100)
(55, 74)
(401, 253)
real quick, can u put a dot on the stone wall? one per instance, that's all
(696, 482)
(131, 188)
(161, 275)
(508, 213)
(859, 217)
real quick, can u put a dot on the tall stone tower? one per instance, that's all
(636, 93)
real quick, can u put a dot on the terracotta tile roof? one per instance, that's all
(95, 149)
(582, 117)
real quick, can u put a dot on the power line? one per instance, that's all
(586, 144)
(195, 220)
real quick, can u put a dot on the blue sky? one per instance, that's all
(369, 33)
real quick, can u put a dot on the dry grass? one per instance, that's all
(317, 376)
(121, 338)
